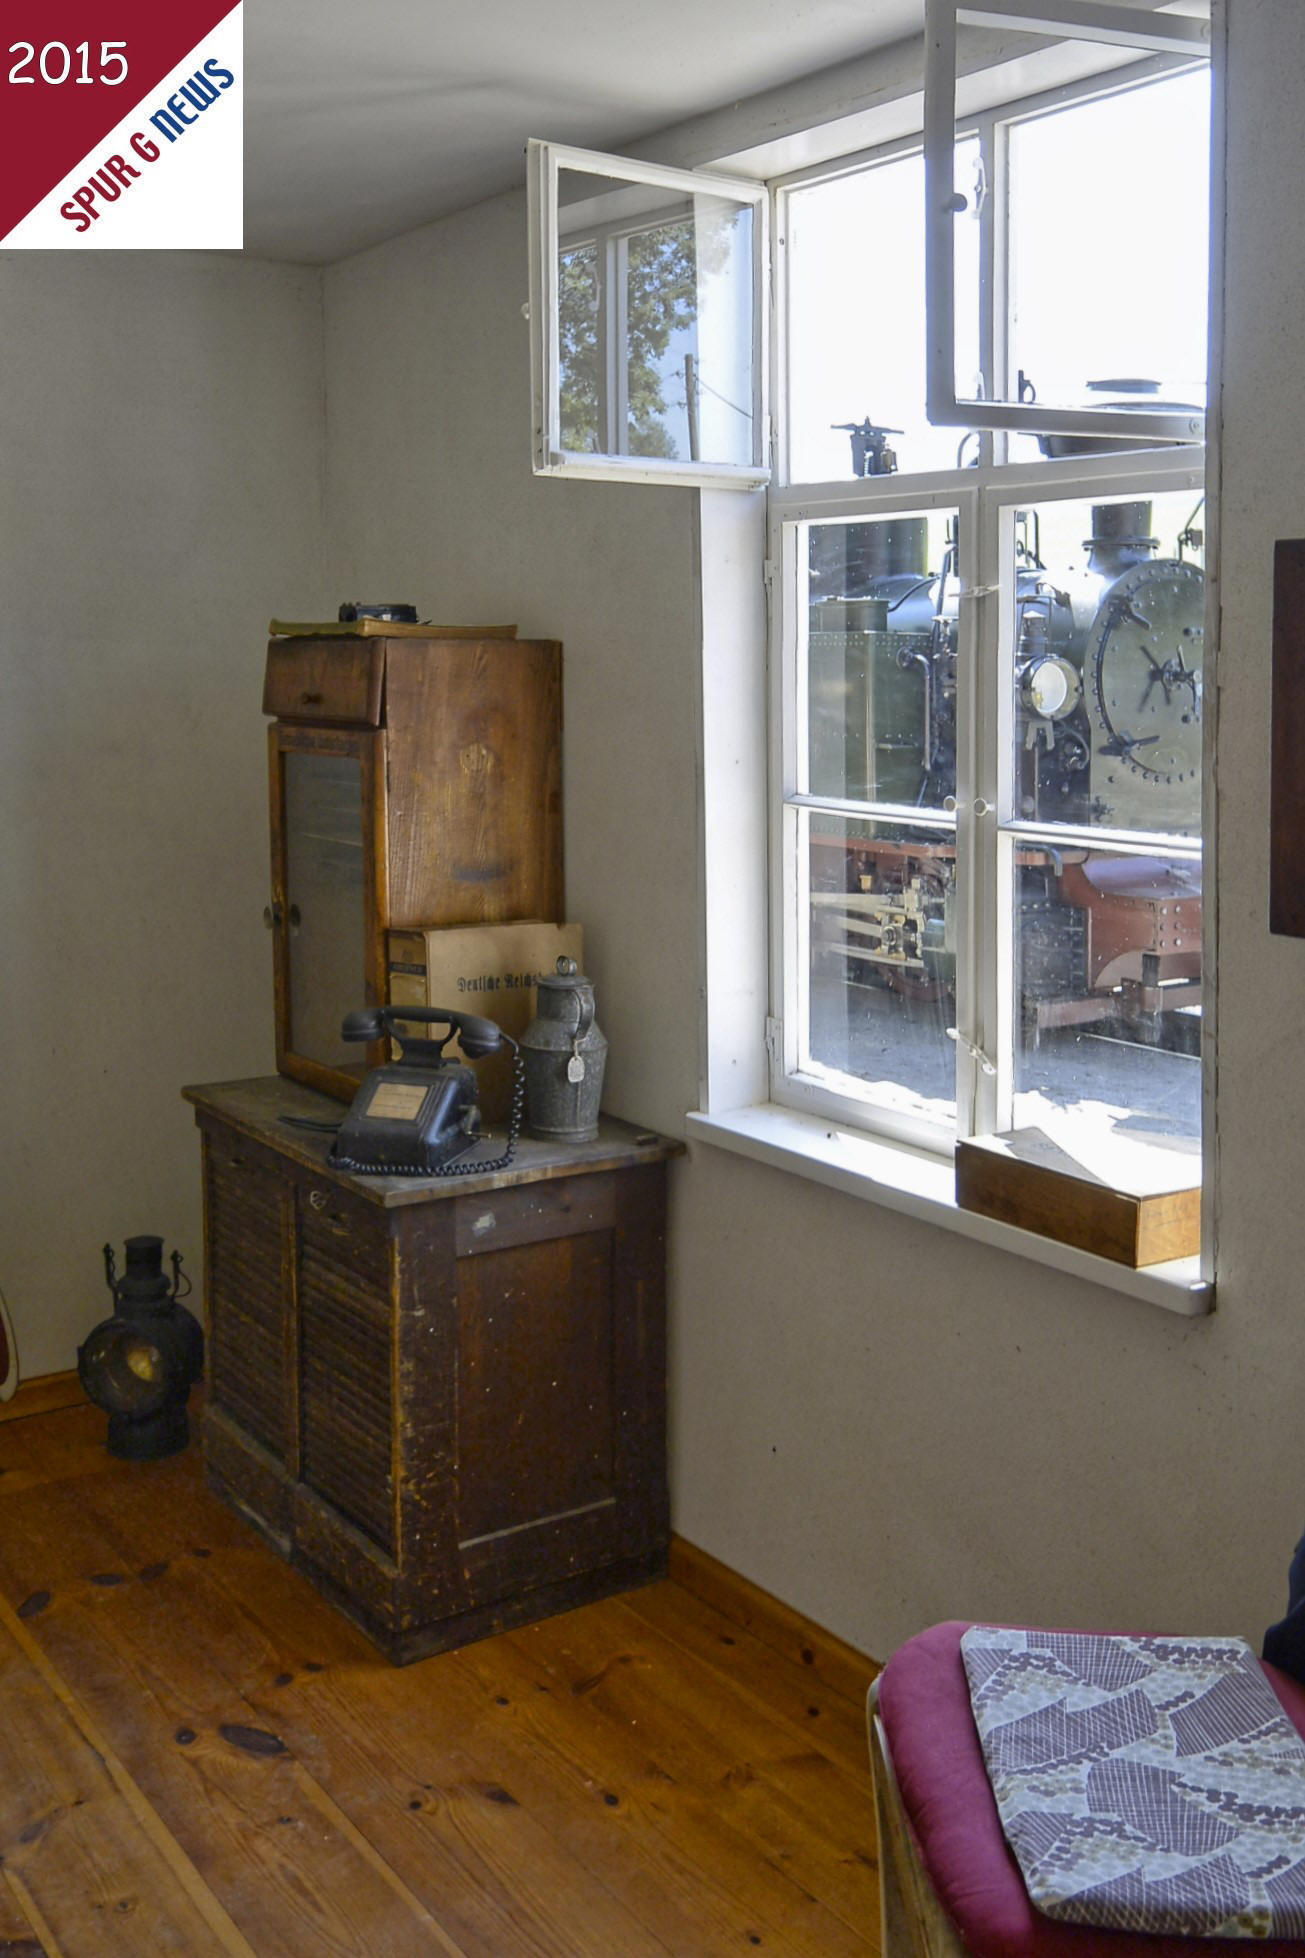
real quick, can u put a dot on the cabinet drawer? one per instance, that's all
(533, 1213)
(325, 680)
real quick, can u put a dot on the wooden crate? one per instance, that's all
(490, 970)
(1024, 1178)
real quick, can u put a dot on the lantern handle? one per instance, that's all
(177, 1276)
(109, 1270)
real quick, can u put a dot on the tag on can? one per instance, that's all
(575, 1069)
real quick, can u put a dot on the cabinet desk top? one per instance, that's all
(257, 1110)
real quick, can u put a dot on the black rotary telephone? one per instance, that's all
(414, 1116)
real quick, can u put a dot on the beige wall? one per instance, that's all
(160, 416)
(879, 1422)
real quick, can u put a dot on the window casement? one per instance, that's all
(648, 318)
(986, 849)
(1114, 400)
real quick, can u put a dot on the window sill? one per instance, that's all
(923, 1186)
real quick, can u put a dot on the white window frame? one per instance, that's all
(985, 1022)
(788, 509)
(545, 162)
(737, 813)
(986, 828)
(1106, 26)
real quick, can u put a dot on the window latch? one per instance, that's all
(988, 1065)
(980, 185)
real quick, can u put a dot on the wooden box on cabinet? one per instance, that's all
(443, 1399)
(414, 782)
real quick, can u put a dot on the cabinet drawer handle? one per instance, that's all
(319, 1199)
(310, 699)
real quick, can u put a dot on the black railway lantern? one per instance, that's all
(139, 1365)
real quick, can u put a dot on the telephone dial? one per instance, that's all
(419, 1115)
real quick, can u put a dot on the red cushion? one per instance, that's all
(924, 1703)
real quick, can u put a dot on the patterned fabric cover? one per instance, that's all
(1144, 1784)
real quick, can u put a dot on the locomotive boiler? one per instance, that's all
(1107, 676)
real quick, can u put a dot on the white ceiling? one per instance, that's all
(363, 121)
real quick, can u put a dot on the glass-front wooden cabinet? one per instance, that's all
(415, 782)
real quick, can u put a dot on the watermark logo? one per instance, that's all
(123, 125)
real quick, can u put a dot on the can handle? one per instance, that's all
(567, 969)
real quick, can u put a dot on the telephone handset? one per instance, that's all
(414, 1116)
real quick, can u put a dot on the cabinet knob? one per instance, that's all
(271, 915)
(294, 917)
(319, 1199)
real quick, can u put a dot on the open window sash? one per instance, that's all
(1109, 28)
(648, 317)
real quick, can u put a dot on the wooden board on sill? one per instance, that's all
(1135, 1215)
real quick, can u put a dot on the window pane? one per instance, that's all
(1107, 667)
(856, 320)
(1127, 177)
(578, 348)
(1108, 982)
(881, 660)
(882, 962)
(655, 321)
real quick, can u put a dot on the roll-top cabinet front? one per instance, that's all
(249, 1230)
(449, 1412)
(413, 783)
(345, 1387)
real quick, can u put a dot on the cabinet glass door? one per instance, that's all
(325, 902)
(328, 898)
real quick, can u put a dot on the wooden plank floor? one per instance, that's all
(198, 1756)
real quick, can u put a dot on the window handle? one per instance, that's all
(980, 185)
(988, 1065)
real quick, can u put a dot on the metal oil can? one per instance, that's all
(564, 1055)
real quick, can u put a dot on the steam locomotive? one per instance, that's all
(1106, 733)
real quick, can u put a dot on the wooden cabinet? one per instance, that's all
(443, 1399)
(414, 782)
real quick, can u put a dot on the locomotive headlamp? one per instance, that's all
(139, 1365)
(1050, 687)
